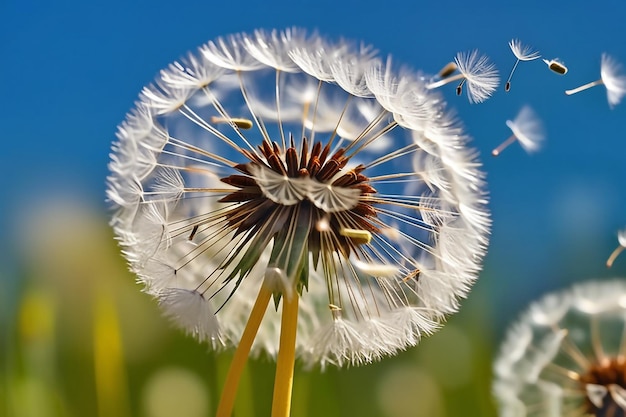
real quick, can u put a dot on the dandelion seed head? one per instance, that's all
(621, 237)
(523, 52)
(313, 167)
(528, 129)
(192, 312)
(481, 75)
(565, 356)
(613, 78)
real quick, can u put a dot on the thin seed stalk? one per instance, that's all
(583, 87)
(614, 255)
(504, 145)
(445, 81)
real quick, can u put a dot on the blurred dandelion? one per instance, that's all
(480, 75)
(566, 356)
(621, 239)
(611, 77)
(527, 130)
(282, 165)
(522, 53)
(556, 65)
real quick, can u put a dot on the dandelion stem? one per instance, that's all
(283, 383)
(503, 145)
(445, 81)
(614, 255)
(227, 401)
(583, 87)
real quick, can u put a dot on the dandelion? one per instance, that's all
(527, 130)
(621, 238)
(480, 75)
(556, 65)
(283, 166)
(611, 77)
(522, 53)
(566, 356)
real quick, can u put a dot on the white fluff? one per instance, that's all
(201, 244)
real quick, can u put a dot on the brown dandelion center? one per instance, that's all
(260, 215)
(609, 373)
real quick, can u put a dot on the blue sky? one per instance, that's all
(71, 70)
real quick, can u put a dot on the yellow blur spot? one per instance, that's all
(175, 391)
(37, 315)
(109, 372)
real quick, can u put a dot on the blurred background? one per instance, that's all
(78, 338)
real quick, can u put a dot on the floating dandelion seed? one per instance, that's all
(522, 53)
(282, 165)
(621, 239)
(448, 69)
(566, 356)
(527, 130)
(611, 77)
(480, 75)
(556, 65)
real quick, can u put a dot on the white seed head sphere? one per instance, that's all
(566, 356)
(281, 158)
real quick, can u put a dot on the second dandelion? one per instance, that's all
(566, 356)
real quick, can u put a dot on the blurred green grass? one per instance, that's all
(81, 339)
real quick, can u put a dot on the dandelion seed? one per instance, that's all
(611, 77)
(566, 356)
(522, 53)
(358, 236)
(316, 176)
(556, 65)
(621, 238)
(527, 130)
(480, 75)
(448, 70)
(239, 122)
